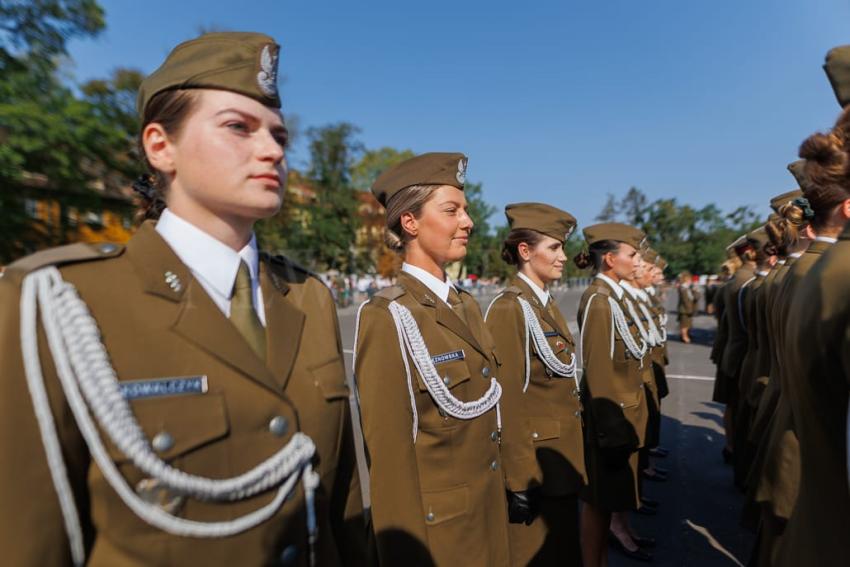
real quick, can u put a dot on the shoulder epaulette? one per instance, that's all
(391, 293)
(512, 290)
(289, 269)
(62, 256)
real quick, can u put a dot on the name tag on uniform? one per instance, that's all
(551, 333)
(448, 357)
(159, 387)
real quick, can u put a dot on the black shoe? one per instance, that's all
(647, 511)
(654, 477)
(645, 542)
(659, 452)
(727, 455)
(661, 470)
(638, 554)
(649, 502)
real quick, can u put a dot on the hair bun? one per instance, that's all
(583, 260)
(824, 149)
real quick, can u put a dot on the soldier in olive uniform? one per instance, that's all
(818, 326)
(612, 385)
(687, 306)
(733, 337)
(539, 378)
(426, 370)
(180, 400)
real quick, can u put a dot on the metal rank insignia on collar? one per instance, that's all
(173, 281)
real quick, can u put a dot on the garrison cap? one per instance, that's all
(781, 200)
(435, 168)
(650, 256)
(615, 231)
(798, 170)
(757, 238)
(242, 62)
(545, 219)
(837, 67)
(661, 263)
(738, 247)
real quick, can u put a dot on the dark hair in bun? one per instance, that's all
(592, 257)
(510, 247)
(827, 169)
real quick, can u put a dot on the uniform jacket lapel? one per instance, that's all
(541, 311)
(196, 317)
(445, 316)
(284, 321)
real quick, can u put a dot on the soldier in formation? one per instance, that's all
(785, 322)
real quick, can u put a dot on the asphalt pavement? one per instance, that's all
(698, 520)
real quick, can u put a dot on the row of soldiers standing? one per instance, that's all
(781, 351)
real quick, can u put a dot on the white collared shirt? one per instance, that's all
(541, 294)
(763, 273)
(781, 262)
(827, 239)
(213, 263)
(636, 293)
(795, 255)
(440, 288)
(618, 291)
(651, 290)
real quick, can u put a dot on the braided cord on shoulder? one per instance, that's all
(622, 326)
(440, 393)
(541, 345)
(91, 385)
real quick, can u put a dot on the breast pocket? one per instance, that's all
(329, 377)
(452, 374)
(177, 425)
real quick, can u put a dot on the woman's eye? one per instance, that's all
(240, 127)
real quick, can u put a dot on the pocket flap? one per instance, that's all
(443, 505)
(543, 428)
(451, 373)
(182, 423)
(330, 378)
(627, 399)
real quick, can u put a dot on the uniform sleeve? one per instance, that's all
(507, 327)
(610, 425)
(347, 515)
(722, 334)
(32, 531)
(397, 513)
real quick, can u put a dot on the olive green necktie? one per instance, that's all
(456, 304)
(242, 312)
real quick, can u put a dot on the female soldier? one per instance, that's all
(825, 206)
(426, 371)
(818, 323)
(181, 387)
(612, 387)
(687, 306)
(539, 379)
(748, 385)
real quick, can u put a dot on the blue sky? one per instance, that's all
(559, 102)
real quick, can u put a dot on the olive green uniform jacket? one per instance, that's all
(550, 410)
(721, 337)
(152, 330)
(615, 404)
(780, 474)
(687, 306)
(735, 331)
(820, 371)
(441, 499)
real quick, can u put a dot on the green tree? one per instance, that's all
(327, 242)
(479, 251)
(374, 162)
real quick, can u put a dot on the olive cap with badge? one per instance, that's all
(241, 62)
(758, 238)
(433, 168)
(543, 218)
(615, 231)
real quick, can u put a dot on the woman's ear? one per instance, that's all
(524, 251)
(409, 224)
(158, 147)
(809, 232)
(608, 261)
(845, 209)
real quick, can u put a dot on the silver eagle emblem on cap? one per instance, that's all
(267, 77)
(461, 171)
